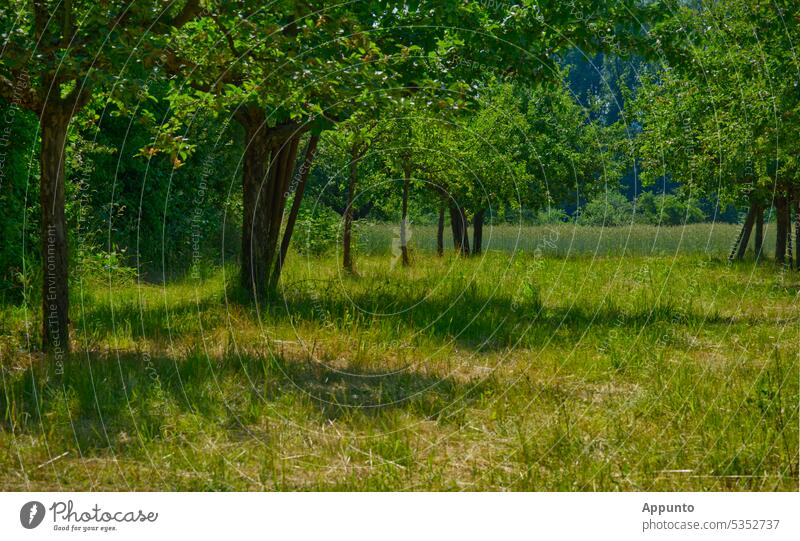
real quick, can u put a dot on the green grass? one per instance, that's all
(565, 240)
(516, 373)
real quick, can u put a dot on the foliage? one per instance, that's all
(614, 209)
(317, 230)
(550, 216)
(709, 114)
(667, 209)
(19, 198)
(609, 209)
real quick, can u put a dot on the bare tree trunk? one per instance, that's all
(477, 232)
(797, 231)
(440, 232)
(347, 257)
(789, 250)
(744, 235)
(55, 285)
(404, 217)
(781, 226)
(759, 240)
(305, 169)
(284, 155)
(254, 203)
(458, 223)
(268, 165)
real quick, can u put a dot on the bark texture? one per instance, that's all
(740, 246)
(55, 286)
(404, 217)
(440, 232)
(759, 240)
(269, 161)
(347, 235)
(477, 232)
(797, 231)
(781, 226)
(302, 179)
(459, 225)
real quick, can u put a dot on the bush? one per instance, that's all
(317, 230)
(667, 209)
(610, 208)
(657, 209)
(550, 216)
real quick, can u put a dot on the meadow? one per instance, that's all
(568, 364)
(568, 239)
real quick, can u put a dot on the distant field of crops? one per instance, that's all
(564, 240)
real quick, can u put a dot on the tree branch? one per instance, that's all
(20, 94)
(227, 35)
(39, 18)
(66, 28)
(78, 98)
(190, 10)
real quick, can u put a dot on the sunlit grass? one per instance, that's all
(564, 240)
(523, 373)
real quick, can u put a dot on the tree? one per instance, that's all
(271, 69)
(281, 67)
(56, 56)
(495, 154)
(727, 100)
(349, 143)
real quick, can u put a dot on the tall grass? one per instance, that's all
(565, 240)
(521, 373)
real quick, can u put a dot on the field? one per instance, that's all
(568, 365)
(565, 240)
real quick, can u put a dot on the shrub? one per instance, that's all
(667, 209)
(317, 230)
(609, 208)
(550, 216)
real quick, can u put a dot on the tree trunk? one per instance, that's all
(440, 232)
(477, 232)
(311, 150)
(347, 257)
(797, 231)
(254, 203)
(284, 155)
(747, 228)
(759, 240)
(404, 217)
(458, 223)
(55, 286)
(268, 165)
(781, 226)
(789, 248)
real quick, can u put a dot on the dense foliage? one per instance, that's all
(180, 135)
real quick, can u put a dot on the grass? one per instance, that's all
(529, 372)
(568, 239)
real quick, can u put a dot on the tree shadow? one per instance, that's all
(469, 318)
(478, 321)
(155, 322)
(103, 401)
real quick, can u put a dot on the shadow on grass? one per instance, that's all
(103, 402)
(483, 321)
(471, 317)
